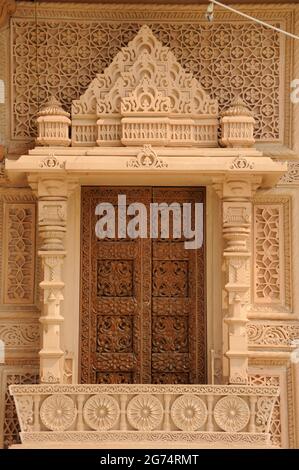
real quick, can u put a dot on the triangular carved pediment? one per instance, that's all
(97, 116)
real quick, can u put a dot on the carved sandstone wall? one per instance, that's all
(59, 50)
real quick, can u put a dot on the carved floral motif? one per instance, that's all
(231, 413)
(145, 412)
(101, 412)
(147, 158)
(58, 412)
(189, 412)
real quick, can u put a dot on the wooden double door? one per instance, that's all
(142, 300)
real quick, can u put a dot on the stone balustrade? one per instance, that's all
(194, 416)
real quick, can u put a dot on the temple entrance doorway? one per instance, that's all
(142, 300)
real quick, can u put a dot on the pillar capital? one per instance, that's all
(237, 186)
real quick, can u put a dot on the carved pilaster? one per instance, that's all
(52, 197)
(236, 194)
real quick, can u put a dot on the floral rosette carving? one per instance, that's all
(58, 412)
(231, 413)
(101, 412)
(145, 412)
(189, 412)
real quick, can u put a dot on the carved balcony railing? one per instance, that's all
(195, 416)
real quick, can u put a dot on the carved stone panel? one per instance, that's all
(11, 426)
(66, 49)
(142, 300)
(19, 220)
(272, 286)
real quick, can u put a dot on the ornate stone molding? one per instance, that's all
(147, 158)
(139, 411)
(272, 334)
(22, 336)
(292, 175)
(7, 8)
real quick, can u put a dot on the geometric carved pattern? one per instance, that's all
(267, 243)
(19, 221)
(11, 426)
(226, 57)
(275, 426)
(142, 300)
(271, 253)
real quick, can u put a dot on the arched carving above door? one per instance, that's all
(145, 96)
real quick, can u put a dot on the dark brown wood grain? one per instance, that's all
(142, 301)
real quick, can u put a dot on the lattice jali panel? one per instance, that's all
(19, 253)
(11, 427)
(275, 427)
(62, 57)
(271, 241)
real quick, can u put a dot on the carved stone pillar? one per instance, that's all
(236, 194)
(52, 196)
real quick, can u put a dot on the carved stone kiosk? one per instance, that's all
(144, 121)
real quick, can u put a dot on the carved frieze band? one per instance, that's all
(272, 334)
(20, 335)
(292, 175)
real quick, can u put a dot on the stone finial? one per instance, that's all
(237, 125)
(53, 124)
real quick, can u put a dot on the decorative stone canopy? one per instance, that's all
(145, 97)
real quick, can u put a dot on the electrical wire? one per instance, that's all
(252, 18)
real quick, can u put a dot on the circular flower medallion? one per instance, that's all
(189, 412)
(58, 412)
(231, 413)
(145, 412)
(101, 412)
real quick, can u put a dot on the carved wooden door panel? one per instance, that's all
(142, 300)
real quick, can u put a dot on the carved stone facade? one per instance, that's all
(148, 98)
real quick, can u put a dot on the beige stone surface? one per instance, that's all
(147, 128)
